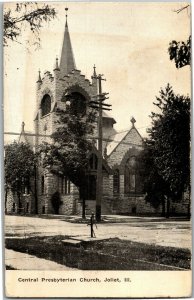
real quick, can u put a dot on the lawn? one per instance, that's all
(110, 254)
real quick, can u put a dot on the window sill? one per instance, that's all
(132, 194)
(42, 117)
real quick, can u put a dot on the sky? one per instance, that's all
(127, 42)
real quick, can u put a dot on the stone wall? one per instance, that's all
(11, 198)
(131, 140)
(12, 203)
(131, 205)
(135, 205)
(70, 202)
(70, 205)
(180, 208)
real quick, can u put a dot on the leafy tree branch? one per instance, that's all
(24, 15)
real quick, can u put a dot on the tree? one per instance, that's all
(68, 154)
(155, 188)
(20, 162)
(180, 52)
(26, 15)
(169, 144)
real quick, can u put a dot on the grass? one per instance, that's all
(111, 254)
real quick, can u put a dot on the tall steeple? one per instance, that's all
(67, 62)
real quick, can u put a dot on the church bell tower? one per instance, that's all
(52, 90)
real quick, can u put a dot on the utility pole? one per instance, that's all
(99, 166)
(100, 106)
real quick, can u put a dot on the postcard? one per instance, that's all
(97, 100)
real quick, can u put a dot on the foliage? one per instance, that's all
(24, 15)
(180, 52)
(155, 187)
(19, 164)
(68, 154)
(169, 143)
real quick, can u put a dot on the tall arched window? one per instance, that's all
(93, 162)
(133, 179)
(42, 185)
(130, 175)
(64, 185)
(46, 105)
(116, 182)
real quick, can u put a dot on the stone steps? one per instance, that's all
(71, 242)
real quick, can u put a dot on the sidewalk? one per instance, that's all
(23, 261)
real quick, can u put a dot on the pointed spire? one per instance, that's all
(23, 124)
(67, 62)
(56, 64)
(94, 79)
(94, 73)
(39, 77)
(66, 9)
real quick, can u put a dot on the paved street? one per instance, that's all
(139, 229)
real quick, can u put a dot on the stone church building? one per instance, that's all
(122, 182)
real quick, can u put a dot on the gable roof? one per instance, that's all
(26, 137)
(118, 138)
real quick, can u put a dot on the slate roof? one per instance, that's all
(108, 116)
(114, 140)
(67, 62)
(26, 137)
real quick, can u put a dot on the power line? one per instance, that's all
(122, 131)
(88, 138)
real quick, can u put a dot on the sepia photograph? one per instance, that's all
(97, 184)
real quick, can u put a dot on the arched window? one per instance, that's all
(93, 162)
(42, 185)
(133, 179)
(67, 186)
(77, 103)
(64, 185)
(46, 105)
(130, 175)
(13, 207)
(116, 182)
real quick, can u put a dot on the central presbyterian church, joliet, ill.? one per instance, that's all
(122, 184)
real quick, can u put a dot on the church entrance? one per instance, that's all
(91, 187)
(88, 192)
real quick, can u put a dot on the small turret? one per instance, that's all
(56, 65)
(39, 81)
(94, 78)
(56, 69)
(23, 125)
